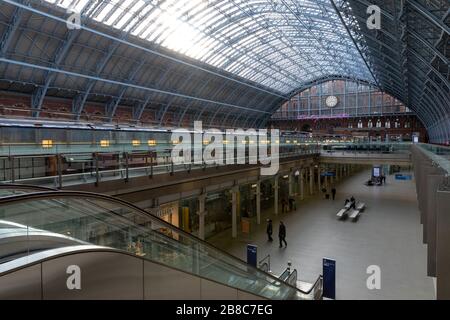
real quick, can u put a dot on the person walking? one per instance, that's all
(352, 202)
(333, 192)
(283, 205)
(282, 234)
(269, 230)
(324, 191)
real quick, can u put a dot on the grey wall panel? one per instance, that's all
(213, 291)
(443, 244)
(104, 275)
(162, 283)
(23, 284)
(425, 196)
(432, 185)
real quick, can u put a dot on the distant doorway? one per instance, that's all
(306, 128)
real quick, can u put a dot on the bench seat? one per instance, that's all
(354, 214)
(342, 213)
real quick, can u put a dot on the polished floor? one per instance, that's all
(388, 234)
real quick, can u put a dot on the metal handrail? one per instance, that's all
(265, 261)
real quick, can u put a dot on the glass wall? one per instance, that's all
(340, 98)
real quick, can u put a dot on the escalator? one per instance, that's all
(45, 230)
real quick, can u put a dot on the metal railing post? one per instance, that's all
(11, 163)
(151, 167)
(97, 176)
(126, 166)
(59, 168)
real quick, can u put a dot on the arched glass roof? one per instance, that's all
(280, 44)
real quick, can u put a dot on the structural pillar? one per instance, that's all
(311, 180)
(291, 184)
(332, 178)
(258, 202)
(275, 190)
(201, 216)
(319, 182)
(302, 184)
(234, 192)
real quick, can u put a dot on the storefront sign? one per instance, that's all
(165, 210)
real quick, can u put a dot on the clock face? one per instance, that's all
(331, 101)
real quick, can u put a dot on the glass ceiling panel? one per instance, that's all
(280, 44)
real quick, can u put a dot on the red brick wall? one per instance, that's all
(340, 126)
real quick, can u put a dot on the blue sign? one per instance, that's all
(403, 177)
(252, 253)
(329, 278)
(328, 174)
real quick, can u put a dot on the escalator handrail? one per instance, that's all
(79, 194)
(25, 187)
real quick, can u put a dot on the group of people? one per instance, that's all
(281, 232)
(352, 202)
(327, 195)
(379, 181)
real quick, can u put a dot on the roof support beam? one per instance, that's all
(114, 103)
(37, 98)
(426, 13)
(11, 29)
(115, 82)
(146, 49)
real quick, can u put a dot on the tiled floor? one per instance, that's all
(388, 234)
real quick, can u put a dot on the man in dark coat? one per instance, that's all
(269, 230)
(333, 193)
(282, 234)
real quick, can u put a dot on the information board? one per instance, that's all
(329, 278)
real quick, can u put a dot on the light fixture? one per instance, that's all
(47, 143)
(104, 143)
(136, 143)
(151, 143)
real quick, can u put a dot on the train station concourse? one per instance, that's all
(224, 150)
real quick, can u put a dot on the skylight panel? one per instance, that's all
(275, 43)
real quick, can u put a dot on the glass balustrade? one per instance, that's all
(61, 165)
(101, 221)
